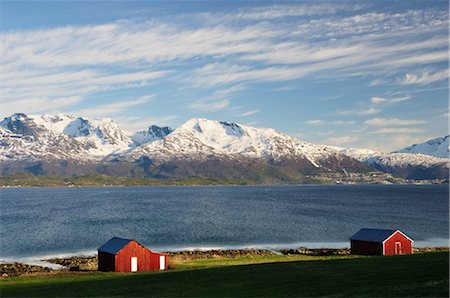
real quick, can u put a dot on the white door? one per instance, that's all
(162, 263)
(133, 264)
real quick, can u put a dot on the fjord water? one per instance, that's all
(52, 221)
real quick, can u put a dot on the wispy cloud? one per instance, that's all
(369, 111)
(397, 130)
(133, 123)
(282, 11)
(384, 101)
(38, 104)
(228, 51)
(342, 140)
(249, 113)
(253, 123)
(424, 78)
(358, 112)
(111, 109)
(393, 121)
(377, 100)
(445, 114)
(210, 106)
(367, 42)
(395, 141)
(325, 122)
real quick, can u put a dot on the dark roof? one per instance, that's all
(114, 245)
(372, 235)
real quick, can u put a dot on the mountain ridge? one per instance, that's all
(437, 147)
(68, 144)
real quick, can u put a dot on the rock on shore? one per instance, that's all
(77, 263)
(316, 251)
(16, 269)
(83, 263)
(222, 253)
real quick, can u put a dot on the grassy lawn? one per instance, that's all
(424, 274)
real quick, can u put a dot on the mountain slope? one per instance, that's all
(404, 165)
(59, 137)
(66, 145)
(229, 150)
(438, 147)
(153, 133)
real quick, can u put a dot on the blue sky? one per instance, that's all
(355, 74)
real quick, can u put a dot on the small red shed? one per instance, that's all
(127, 255)
(380, 242)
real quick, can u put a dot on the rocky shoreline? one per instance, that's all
(90, 263)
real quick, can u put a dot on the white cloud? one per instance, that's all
(393, 121)
(388, 101)
(377, 100)
(375, 24)
(208, 105)
(254, 44)
(38, 105)
(343, 140)
(135, 44)
(315, 122)
(133, 124)
(249, 113)
(424, 77)
(369, 111)
(226, 92)
(254, 123)
(107, 110)
(376, 82)
(359, 112)
(445, 114)
(393, 141)
(323, 122)
(282, 11)
(397, 130)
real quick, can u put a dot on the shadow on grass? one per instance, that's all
(414, 275)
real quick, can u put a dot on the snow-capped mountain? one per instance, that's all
(405, 165)
(65, 144)
(200, 138)
(153, 133)
(438, 147)
(207, 147)
(59, 137)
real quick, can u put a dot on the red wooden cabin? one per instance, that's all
(127, 255)
(380, 242)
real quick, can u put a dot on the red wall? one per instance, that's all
(365, 248)
(146, 260)
(406, 244)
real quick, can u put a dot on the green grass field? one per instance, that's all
(417, 275)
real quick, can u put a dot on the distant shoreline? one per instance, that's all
(28, 180)
(2, 186)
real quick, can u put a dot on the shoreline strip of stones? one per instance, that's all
(90, 263)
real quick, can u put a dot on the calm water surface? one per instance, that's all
(51, 221)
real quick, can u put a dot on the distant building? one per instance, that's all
(380, 242)
(127, 255)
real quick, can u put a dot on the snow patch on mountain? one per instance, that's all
(438, 147)
(374, 158)
(153, 133)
